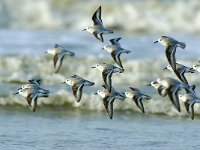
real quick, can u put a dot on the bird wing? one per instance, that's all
(109, 80)
(170, 54)
(77, 91)
(140, 104)
(99, 36)
(55, 59)
(119, 60)
(104, 76)
(115, 41)
(172, 93)
(181, 76)
(134, 89)
(108, 103)
(113, 55)
(33, 81)
(97, 17)
(59, 61)
(191, 110)
(58, 46)
(32, 101)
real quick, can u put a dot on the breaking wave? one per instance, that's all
(17, 69)
(130, 16)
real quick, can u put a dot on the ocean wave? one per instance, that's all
(18, 69)
(90, 102)
(130, 16)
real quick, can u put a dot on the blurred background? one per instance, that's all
(129, 16)
(29, 27)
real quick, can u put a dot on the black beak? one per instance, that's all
(149, 84)
(102, 49)
(165, 68)
(95, 93)
(93, 67)
(62, 83)
(83, 29)
(16, 93)
(156, 42)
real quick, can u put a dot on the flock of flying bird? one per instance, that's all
(165, 86)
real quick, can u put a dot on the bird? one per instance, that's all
(107, 71)
(161, 90)
(98, 29)
(108, 100)
(77, 84)
(33, 83)
(59, 52)
(172, 87)
(31, 95)
(181, 70)
(189, 100)
(171, 44)
(116, 50)
(137, 96)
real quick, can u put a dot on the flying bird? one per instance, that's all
(98, 29)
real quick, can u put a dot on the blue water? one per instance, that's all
(28, 30)
(72, 129)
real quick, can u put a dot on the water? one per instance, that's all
(72, 129)
(59, 121)
(62, 123)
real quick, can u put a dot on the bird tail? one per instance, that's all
(107, 31)
(181, 45)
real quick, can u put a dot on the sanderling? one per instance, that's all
(181, 70)
(31, 95)
(171, 45)
(189, 100)
(161, 90)
(173, 86)
(116, 50)
(137, 96)
(107, 71)
(108, 99)
(77, 84)
(34, 84)
(59, 52)
(98, 29)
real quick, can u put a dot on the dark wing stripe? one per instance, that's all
(170, 54)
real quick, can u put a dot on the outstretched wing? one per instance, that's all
(77, 91)
(173, 96)
(140, 104)
(170, 54)
(119, 59)
(99, 36)
(59, 62)
(115, 41)
(97, 17)
(181, 76)
(32, 101)
(108, 103)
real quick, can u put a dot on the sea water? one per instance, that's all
(59, 121)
